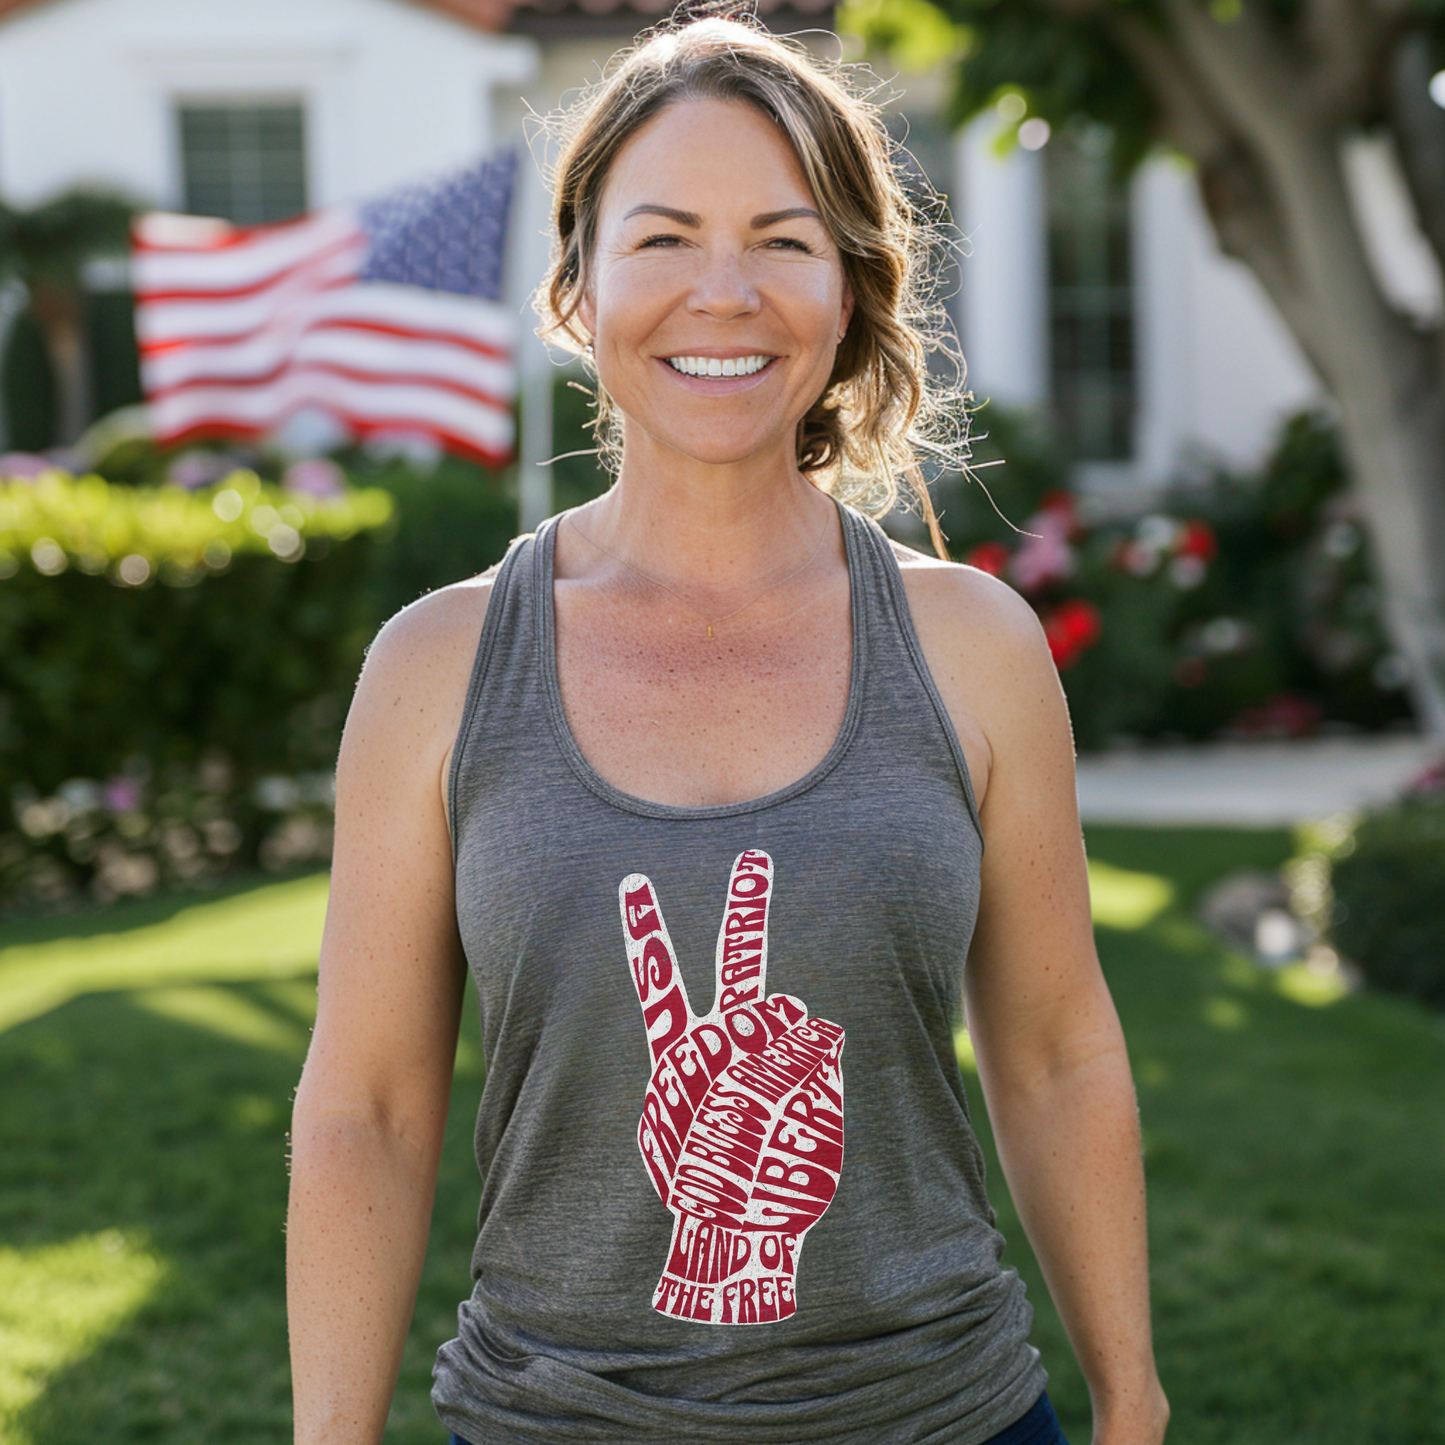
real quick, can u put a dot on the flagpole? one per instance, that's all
(535, 372)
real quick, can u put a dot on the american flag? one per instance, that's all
(384, 315)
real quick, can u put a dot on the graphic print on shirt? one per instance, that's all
(742, 1124)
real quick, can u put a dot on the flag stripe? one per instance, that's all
(270, 252)
(461, 385)
(463, 446)
(397, 405)
(162, 321)
(261, 359)
(343, 257)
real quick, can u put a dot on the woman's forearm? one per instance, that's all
(360, 1209)
(1070, 1148)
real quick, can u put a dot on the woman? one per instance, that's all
(717, 709)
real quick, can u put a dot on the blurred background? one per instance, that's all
(267, 374)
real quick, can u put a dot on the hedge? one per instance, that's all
(1389, 898)
(161, 652)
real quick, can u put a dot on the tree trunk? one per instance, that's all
(1275, 189)
(60, 316)
(1396, 449)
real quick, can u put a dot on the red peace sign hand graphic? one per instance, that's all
(742, 1125)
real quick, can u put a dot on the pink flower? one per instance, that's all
(316, 476)
(1045, 556)
(122, 794)
(24, 466)
(192, 470)
(1427, 783)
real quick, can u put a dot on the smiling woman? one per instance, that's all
(843, 208)
(717, 713)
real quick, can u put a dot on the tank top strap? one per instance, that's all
(898, 670)
(505, 664)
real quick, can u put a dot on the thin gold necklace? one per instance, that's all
(711, 621)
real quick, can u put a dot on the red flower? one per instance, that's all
(990, 557)
(1071, 628)
(1196, 539)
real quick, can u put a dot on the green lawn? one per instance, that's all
(1295, 1147)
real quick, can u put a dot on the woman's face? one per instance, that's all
(711, 257)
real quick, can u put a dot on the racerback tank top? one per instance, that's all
(730, 1190)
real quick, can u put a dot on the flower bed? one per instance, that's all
(1242, 608)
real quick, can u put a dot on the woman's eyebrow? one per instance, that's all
(771, 218)
(683, 218)
(691, 218)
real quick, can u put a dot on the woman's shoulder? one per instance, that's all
(962, 604)
(987, 654)
(432, 629)
(414, 681)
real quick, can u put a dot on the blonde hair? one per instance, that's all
(881, 414)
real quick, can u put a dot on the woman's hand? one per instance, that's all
(1050, 1051)
(371, 1107)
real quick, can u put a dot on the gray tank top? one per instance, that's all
(690, 1229)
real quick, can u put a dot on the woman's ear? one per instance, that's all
(846, 311)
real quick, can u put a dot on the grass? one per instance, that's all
(1296, 1158)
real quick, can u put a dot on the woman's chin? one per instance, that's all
(726, 450)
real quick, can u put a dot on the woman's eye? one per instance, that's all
(792, 243)
(658, 241)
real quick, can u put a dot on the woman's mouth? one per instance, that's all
(714, 366)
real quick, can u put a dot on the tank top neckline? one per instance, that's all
(544, 610)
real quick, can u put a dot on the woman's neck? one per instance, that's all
(716, 529)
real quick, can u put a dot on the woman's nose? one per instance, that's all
(723, 289)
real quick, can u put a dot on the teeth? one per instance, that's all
(713, 366)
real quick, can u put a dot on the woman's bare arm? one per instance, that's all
(371, 1107)
(1050, 1051)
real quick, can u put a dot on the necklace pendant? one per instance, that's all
(709, 630)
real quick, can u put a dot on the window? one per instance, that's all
(1090, 296)
(246, 163)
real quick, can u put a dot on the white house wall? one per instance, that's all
(1216, 369)
(89, 89)
(1004, 278)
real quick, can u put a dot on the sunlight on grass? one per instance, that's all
(270, 932)
(224, 1011)
(963, 1047)
(1316, 988)
(58, 1302)
(1119, 898)
(1225, 1013)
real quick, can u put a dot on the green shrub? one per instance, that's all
(98, 663)
(165, 656)
(447, 523)
(1390, 899)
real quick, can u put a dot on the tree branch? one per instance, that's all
(1186, 118)
(1346, 40)
(1248, 228)
(1419, 127)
